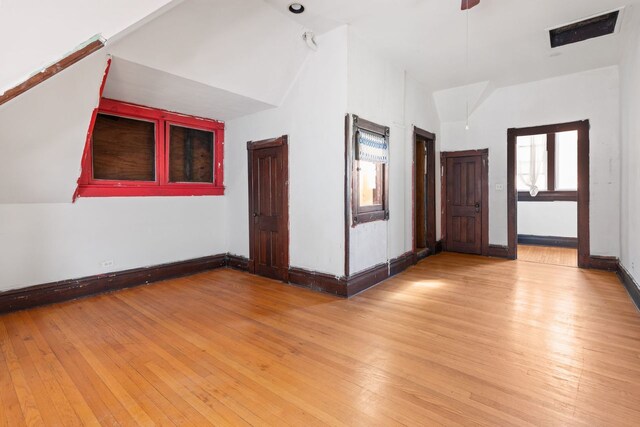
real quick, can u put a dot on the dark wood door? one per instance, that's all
(421, 195)
(464, 204)
(268, 208)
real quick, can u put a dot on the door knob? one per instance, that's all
(477, 207)
(255, 214)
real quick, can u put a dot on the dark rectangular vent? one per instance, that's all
(584, 30)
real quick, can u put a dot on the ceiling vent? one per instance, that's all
(590, 28)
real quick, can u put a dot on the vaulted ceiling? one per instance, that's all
(508, 39)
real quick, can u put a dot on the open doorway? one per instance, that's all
(548, 184)
(424, 193)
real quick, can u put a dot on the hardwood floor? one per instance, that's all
(548, 255)
(455, 340)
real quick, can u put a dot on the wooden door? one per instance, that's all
(269, 208)
(424, 193)
(421, 195)
(464, 203)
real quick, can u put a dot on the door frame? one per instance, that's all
(431, 189)
(584, 245)
(484, 154)
(252, 146)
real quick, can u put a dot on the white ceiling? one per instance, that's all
(509, 41)
(216, 58)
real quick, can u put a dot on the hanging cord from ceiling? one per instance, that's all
(467, 69)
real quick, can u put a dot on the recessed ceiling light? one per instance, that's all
(296, 8)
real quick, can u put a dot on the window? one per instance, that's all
(190, 155)
(123, 149)
(567, 160)
(532, 163)
(140, 151)
(370, 171)
(547, 168)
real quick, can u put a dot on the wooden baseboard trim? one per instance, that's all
(630, 285)
(608, 263)
(401, 263)
(498, 251)
(348, 287)
(368, 278)
(237, 262)
(65, 290)
(554, 241)
(320, 282)
(51, 70)
(438, 247)
(55, 292)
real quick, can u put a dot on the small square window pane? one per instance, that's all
(123, 149)
(190, 155)
(567, 160)
(532, 162)
(370, 183)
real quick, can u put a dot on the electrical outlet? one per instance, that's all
(499, 187)
(107, 264)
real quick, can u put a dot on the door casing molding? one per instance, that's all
(584, 247)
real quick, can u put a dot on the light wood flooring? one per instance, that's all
(455, 340)
(548, 255)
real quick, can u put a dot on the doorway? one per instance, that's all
(548, 194)
(424, 193)
(465, 201)
(269, 208)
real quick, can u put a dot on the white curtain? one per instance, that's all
(532, 162)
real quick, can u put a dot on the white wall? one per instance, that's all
(312, 116)
(46, 238)
(557, 219)
(592, 95)
(630, 154)
(34, 34)
(41, 243)
(43, 133)
(381, 92)
(420, 111)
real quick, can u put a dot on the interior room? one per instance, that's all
(265, 212)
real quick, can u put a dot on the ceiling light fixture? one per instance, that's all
(296, 8)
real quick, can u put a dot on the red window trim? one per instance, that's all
(89, 187)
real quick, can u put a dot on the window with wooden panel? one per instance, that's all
(190, 154)
(547, 166)
(140, 151)
(123, 149)
(370, 171)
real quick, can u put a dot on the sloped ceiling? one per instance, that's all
(132, 82)
(244, 47)
(35, 34)
(453, 104)
(43, 133)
